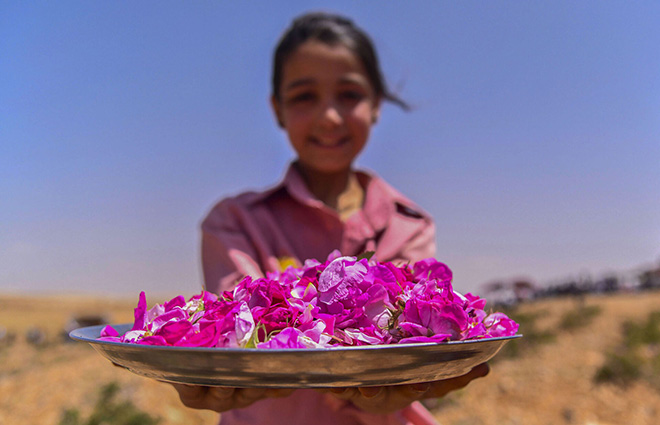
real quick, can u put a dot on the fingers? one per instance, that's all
(442, 388)
(344, 393)
(391, 398)
(218, 399)
(481, 370)
(382, 399)
(415, 391)
(244, 397)
(221, 399)
(370, 392)
(219, 394)
(366, 398)
(374, 399)
(191, 395)
(279, 392)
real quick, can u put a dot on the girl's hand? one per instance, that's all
(388, 399)
(221, 399)
(381, 400)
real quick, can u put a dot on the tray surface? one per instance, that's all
(369, 365)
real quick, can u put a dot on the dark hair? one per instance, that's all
(333, 30)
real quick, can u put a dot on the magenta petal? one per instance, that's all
(434, 317)
(110, 339)
(382, 273)
(499, 324)
(209, 297)
(172, 332)
(208, 336)
(175, 302)
(304, 289)
(340, 275)
(132, 336)
(152, 340)
(109, 331)
(378, 306)
(140, 313)
(414, 329)
(342, 301)
(314, 330)
(475, 302)
(329, 321)
(244, 325)
(333, 255)
(434, 338)
(287, 338)
(476, 331)
(364, 336)
(431, 268)
(449, 319)
(172, 315)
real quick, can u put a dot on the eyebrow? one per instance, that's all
(307, 81)
(298, 83)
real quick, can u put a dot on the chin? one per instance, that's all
(327, 168)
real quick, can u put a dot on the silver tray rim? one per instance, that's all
(342, 366)
(85, 334)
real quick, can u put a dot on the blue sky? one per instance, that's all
(534, 142)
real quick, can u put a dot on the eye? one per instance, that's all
(302, 97)
(351, 95)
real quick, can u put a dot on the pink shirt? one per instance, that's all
(249, 234)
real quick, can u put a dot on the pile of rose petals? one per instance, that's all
(345, 301)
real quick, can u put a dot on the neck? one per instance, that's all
(325, 186)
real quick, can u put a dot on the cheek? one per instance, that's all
(296, 120)
(361, 121)
(296, 132)
(364, 113)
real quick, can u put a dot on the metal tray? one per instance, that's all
(370, 365)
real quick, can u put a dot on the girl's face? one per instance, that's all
(327, 106)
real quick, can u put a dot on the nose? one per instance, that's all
(331, 114)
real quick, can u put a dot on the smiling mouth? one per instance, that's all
(329, 143)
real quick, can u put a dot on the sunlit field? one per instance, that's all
(592, 360)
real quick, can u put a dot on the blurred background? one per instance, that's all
(534, 142)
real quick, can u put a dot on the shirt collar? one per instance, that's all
(295, 185)
(378, 205)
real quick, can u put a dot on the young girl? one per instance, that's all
(327, 90)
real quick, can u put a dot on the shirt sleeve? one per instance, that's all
(228, 253)
(421, 245)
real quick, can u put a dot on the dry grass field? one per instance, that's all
(549, 381)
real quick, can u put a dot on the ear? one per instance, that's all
(275, 106)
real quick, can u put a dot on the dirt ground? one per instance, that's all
(549, 384)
